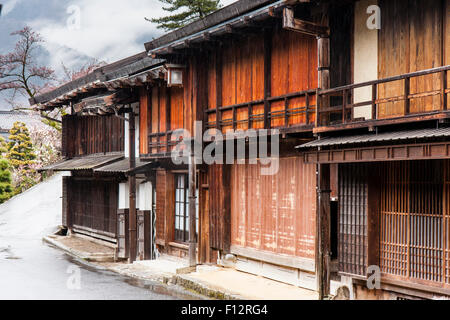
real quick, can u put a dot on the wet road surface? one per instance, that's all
(30, 269)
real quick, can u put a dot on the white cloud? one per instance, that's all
(108, 30)
(9, 6)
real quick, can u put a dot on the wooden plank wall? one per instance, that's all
(92, 134)
(165, 207)
(93, 204)
(237, 70)
(412, 39)
(294, 68)
(169, 109)
(144, 119)
(219, 207)
(275, 213)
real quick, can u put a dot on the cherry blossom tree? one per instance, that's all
(19, 71)
(21, 74)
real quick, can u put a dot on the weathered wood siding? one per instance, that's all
(219, 206)
(165, 207)
(275, 213)
(92, 134)
(238, 74)
(144, 119)
(413, 37)
(93, 204)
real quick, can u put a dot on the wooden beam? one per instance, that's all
(132, 181)
(306, 27)
(323, 229)
(405, 152)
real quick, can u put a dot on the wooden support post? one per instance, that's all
(344, 106)
(267, 76)
(323, 232)
(324, 73)
(192, 211)
(250, 112)
(286, 112)
(307, 108)
(318, 103)
(132, 181)
(406, 93)
(374, 101)
(443, 90)
(323, 181)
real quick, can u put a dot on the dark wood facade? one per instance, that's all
(91, 206)
(82, 136)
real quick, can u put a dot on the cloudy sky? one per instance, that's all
(77, 30)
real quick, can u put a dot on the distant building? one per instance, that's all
(8, 118)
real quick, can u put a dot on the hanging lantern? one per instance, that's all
(175, 75)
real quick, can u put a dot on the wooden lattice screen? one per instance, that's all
(353, 197)
(414, 221)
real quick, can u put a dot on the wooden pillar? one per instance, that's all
(323, 171)
(324, 74)
(192, 211)
(373, 215)
(323, 229)
(132, 181)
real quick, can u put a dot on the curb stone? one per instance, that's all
(95, 257)
(204, 289)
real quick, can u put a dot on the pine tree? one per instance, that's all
(3, 147)
(194, 9)
(6, 190)
(20, 148)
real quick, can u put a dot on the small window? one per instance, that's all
(182, 208)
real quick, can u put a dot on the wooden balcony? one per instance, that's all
(412, 97)
(293, 112)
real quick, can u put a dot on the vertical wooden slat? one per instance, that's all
(307, 108)
(267, 76)
(443, 90)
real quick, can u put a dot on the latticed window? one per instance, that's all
(182, 208)
(353, 195)
(414, 224)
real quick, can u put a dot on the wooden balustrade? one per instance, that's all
(389, 98)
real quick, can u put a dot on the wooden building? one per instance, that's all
(387, 132)
(360, 103)
(98, 140)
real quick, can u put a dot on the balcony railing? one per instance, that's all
(295, 111)
(404, 96)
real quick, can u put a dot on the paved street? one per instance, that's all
(29, 269)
